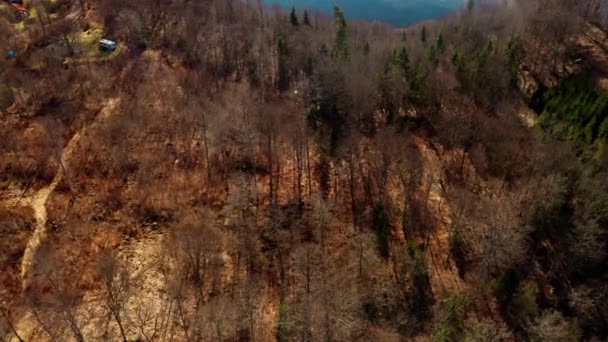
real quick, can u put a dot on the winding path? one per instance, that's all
(38, 204)
(38, 201)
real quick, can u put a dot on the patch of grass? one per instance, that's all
(20, 26)
(90, 37)
(89, 43)
(33, 13)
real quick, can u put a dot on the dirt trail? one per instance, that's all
(38, 201)
(38, 204)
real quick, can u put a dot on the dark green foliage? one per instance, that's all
(458, 61)
(398, 66)
(470, 5)
(283, 56)
(440, 43)
(282, 48)
(525, 303)
(306, 19)
(576, 110)
(391, 98)
(515, 52)
(326, 114)
(481, 57)
(398, 61)
(602, 132)
(417, 77)
(433, 56)
(505, 286)
(382, 228)
(423, 34)
(483, 73)
(252, 72)
(449, 321)
(293, 18)
(341, 50)
(599, 208)
(366, 49)
(421, 300)
(404, 60)
(400, 85)
(309, 67)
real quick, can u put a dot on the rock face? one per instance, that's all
(528, 117)
(527, 84)
(592, 56)
(594, 43)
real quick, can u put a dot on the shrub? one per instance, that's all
(553, 326)
(6, 97)
(525, 301)
(487, 330)
(14, 220)
(449, 322)
(504, 286)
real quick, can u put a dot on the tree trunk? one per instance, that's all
(270, 168)
(462, 159)
(308, 171)
(351, 185)
(206, 148)
(10, 324)
(116, 315)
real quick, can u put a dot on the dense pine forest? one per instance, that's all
(238, 172)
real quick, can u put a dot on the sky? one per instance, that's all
(395, 12)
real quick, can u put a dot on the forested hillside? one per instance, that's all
(237, 172)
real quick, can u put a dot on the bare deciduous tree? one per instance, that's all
(553, 326)
(117, 285)
(501, 236)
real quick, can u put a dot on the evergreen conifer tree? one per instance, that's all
(306, 19)
(423, 34)
(341, 50)
(293, 18)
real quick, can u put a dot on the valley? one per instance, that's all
(229, 171)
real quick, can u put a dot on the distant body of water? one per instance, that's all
(395, 12)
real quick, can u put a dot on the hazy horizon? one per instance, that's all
(395, 12)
